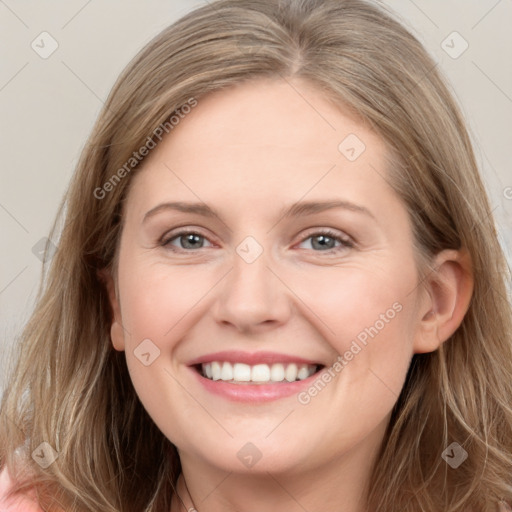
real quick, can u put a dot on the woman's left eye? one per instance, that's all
(324, 241)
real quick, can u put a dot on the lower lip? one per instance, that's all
(254, 393)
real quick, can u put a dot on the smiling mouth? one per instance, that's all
(241, 373)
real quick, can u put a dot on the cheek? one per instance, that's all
(160, 304)
(360, 303)
(370, 316)
(157, 300)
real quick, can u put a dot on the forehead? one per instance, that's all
(274, 114)
(266, 139)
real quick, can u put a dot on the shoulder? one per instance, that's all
(15, 503)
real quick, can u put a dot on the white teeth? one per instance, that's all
(290, 373)
(277, 372)
(260, 373)
(216, 370)
(240, 372)
(303, 372)
(226, 372)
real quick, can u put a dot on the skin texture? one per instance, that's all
(248, 152)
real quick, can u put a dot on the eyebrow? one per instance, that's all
(295, 210)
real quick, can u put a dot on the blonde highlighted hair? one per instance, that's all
(71, 389)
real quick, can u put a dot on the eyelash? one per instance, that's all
(346, 242)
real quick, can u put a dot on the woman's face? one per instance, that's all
(306, 266)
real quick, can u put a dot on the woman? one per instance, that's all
(340, 337)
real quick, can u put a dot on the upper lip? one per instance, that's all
(238, 356)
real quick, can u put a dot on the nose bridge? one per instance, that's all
(252, 294)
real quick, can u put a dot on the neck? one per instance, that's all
(339, 484)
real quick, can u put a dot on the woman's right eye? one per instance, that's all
(187, 240)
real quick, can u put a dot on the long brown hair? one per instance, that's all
(71, 389)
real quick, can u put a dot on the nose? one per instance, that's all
(252, 298)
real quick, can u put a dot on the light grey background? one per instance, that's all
(48, 106)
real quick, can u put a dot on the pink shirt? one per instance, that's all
(16, 503)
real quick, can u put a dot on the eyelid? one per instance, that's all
(334, 233)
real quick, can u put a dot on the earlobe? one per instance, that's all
(116, 328)
(117, 336)
(448, 292)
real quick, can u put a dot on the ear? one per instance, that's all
(116, 328)
(446, 298)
